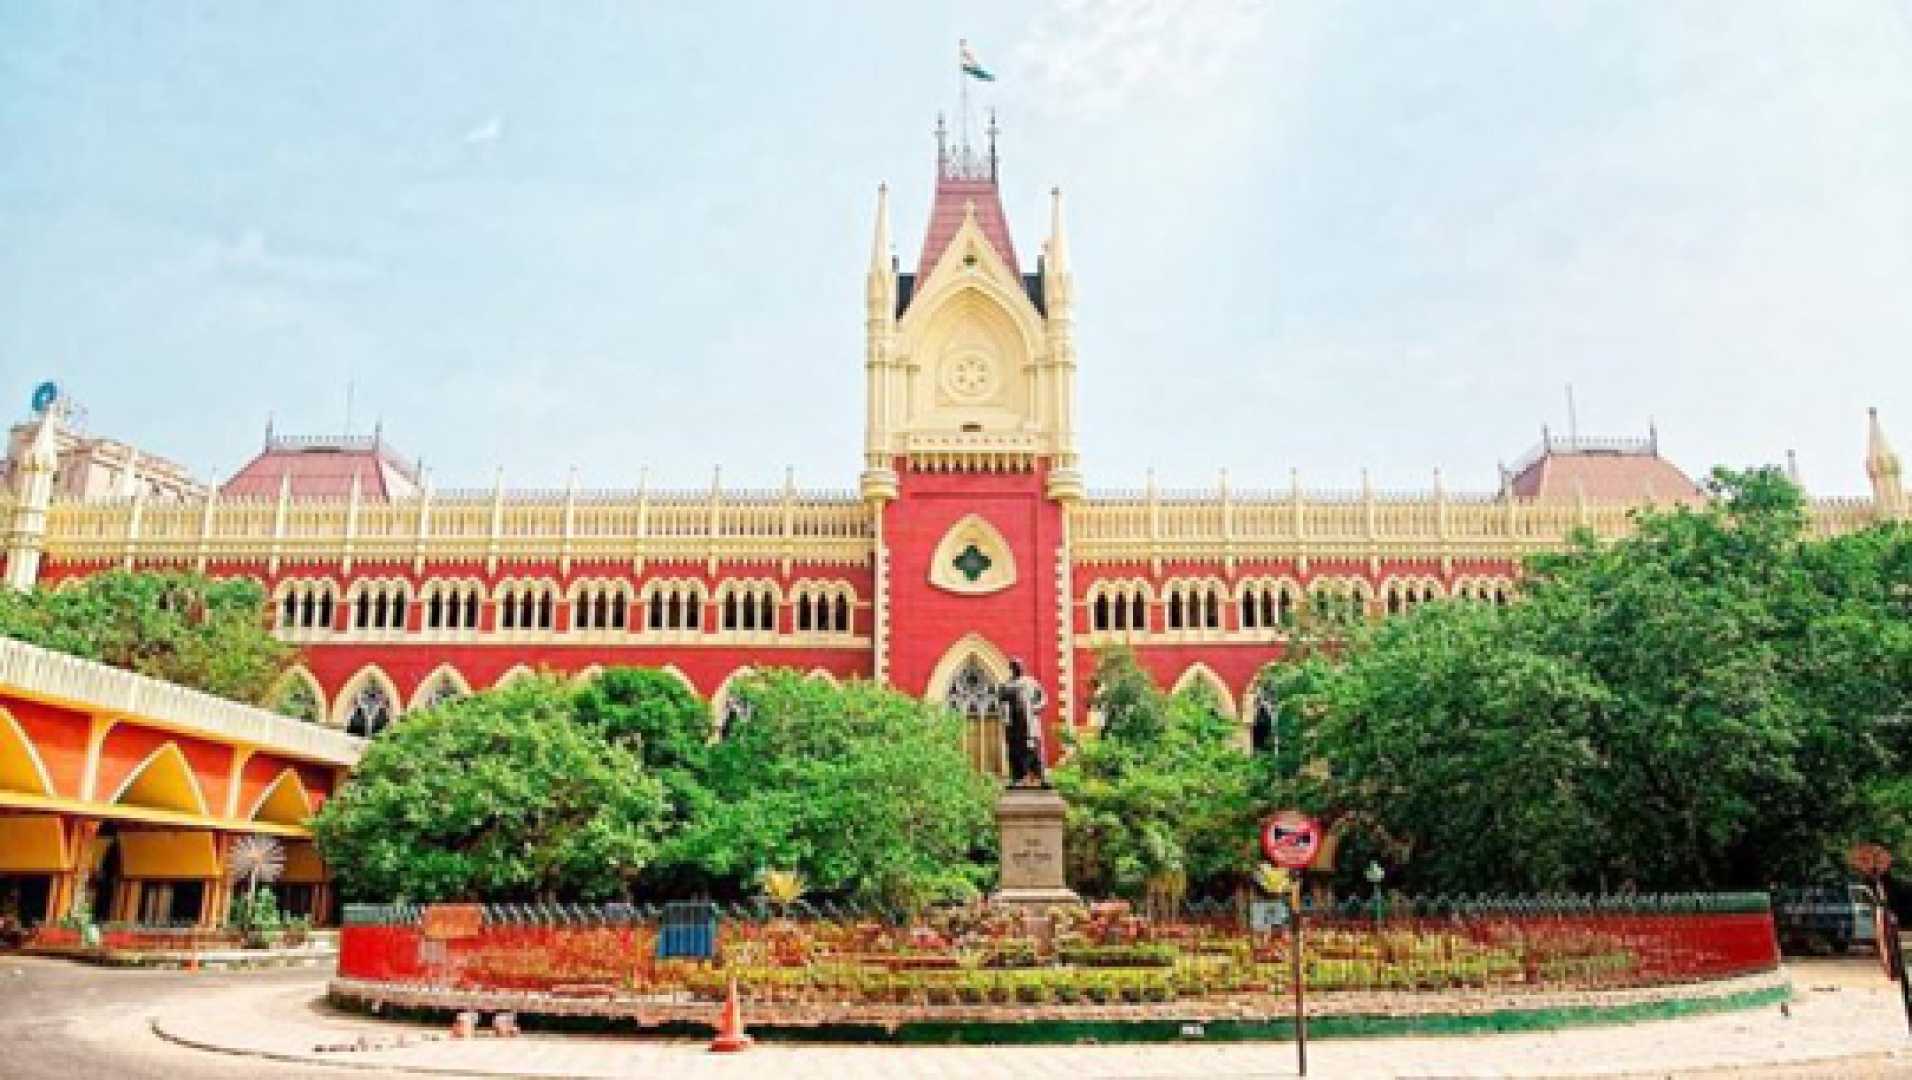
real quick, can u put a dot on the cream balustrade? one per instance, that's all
(823, 527)
(1138, 526)
(834, 528)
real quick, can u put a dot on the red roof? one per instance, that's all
(954, 196)
(1603, 475)
(324, 468)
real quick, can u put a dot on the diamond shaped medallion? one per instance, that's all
(972, 563)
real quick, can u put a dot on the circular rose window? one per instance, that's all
(969, 376)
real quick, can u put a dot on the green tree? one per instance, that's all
(209, 634)
(656, 716)
(862, 790)
(502, 795)
(1163, 792)
(1715, 700)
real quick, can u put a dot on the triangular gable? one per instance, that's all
(164, 781)
(956, 202)
(971, 258)
(285, 802)
(20, 766)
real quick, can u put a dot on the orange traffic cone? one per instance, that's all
(730, 1026)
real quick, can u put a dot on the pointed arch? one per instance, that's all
(283, 802)
(585, 674)
(950, 286)
(298, 678)
(983, 650)
(164, 781)
(822, 675)
(722, 698)
(21, 767)
(428, 692)
(973, 559)
(1200, 673)
(513, 674)
(677, 673)
(370, 674)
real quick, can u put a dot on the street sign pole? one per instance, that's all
(1295, 974)
(1291, 840)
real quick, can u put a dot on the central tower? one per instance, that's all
(970, 362)
(970, 442)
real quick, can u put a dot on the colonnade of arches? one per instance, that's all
(141, 833)
(1267, 605)
(316, 608)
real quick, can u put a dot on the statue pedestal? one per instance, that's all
(1029, 824)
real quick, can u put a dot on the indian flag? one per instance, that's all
(972, 67)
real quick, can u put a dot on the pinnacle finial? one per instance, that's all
(1881, 462)
(1058, 239)
(880, 244)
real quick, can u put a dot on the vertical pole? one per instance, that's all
(1294, 968)
(1895, 953)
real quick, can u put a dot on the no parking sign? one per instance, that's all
(1291, 839)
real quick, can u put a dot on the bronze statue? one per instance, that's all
(1022, 701)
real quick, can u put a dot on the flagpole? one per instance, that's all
(962, 93)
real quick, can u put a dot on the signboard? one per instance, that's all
(452, 922)
(1266, 915)
(1291, 840)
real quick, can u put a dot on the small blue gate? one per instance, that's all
(689, 931)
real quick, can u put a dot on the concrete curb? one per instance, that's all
(313, 1058)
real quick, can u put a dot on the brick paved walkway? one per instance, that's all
(1839, 1011)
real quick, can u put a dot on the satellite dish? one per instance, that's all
(44, 395)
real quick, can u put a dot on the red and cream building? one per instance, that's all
(970, 537)
(124, 795)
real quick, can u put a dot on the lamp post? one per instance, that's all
(1375, 876)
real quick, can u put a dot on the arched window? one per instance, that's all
(1193, 605)
(372, 710)
(1267, 604)
(451, 605)
(819, 607)
(974, 695)
(1118, 605)
(1264, 731)
(380, 605)
(675, 605)
(441, 689)
(306, 605)
(749, 606)
(298, 699)
(526, 605)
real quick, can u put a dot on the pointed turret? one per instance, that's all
(33, 484)
(1882, 467)
(881, 287)
(965, 180)
(1058, 281)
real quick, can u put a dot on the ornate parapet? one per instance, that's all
(636, 526)
(1153, 526)
(98, 689)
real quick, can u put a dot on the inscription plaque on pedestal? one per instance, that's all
(1029, 821)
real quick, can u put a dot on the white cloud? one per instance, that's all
(1096, 57)
(490, 131)
(252, 255)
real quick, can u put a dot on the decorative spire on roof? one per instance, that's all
(880, 288)
(1882, 467)
(964, 176)
(1880, 460)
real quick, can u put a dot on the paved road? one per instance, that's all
(67, 1021)
(62, 1021)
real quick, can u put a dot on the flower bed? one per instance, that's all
(1103, 956)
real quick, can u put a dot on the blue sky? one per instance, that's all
(1320, 236)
